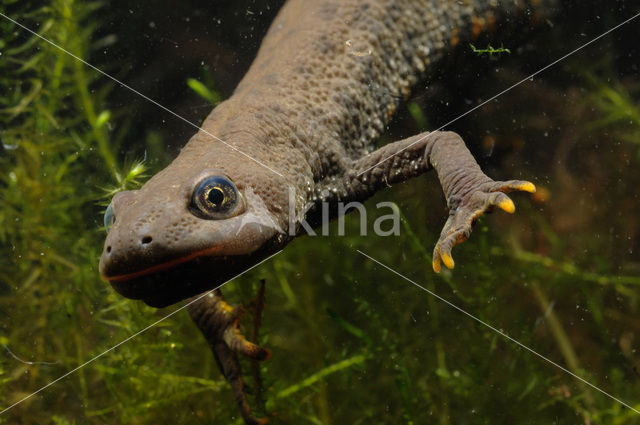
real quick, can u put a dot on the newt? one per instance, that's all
(299, 131)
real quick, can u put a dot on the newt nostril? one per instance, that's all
(146, 240)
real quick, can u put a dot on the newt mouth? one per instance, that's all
(162, 286)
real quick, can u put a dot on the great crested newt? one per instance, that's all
(298, 131)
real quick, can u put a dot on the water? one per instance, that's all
(352, 341)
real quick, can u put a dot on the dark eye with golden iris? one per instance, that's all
(216, 198)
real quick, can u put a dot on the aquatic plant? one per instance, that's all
(58, 165)
(489, 50)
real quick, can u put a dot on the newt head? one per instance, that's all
(177, 237)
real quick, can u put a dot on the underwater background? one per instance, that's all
(352, 342)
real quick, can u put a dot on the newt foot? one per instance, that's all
(236, 341)
(465, 211)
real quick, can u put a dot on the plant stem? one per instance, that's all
(561, 338)
(66, 9)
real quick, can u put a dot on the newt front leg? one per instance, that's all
(468, 191)
(218, 322)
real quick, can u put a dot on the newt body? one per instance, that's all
(303, 121)
(321, 90)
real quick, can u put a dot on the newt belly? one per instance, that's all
(299, 131)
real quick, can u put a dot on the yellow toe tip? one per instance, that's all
(527, 187)
(448, 261)
(436, 265)
(508, 206)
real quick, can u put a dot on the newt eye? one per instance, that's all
(109, 217)
(216, 198)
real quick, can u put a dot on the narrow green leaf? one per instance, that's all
(203, 91)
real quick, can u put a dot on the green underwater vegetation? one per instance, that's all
(352, 342)
(489, 50)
